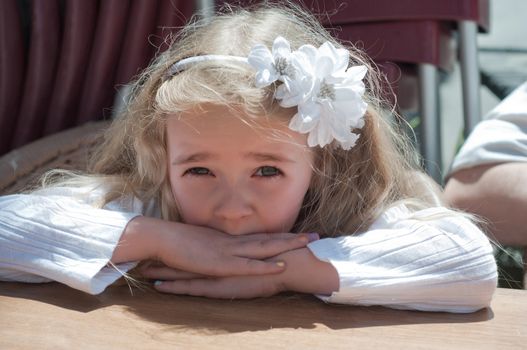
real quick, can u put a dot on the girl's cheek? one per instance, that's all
(190, 191)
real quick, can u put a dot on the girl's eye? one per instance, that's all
(267, 171)
(198, 171)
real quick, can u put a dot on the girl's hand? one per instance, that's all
(202, 250)
(231, 287)
(304, 273)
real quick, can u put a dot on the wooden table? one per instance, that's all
(53, 316)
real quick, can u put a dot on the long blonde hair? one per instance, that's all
(349, 188)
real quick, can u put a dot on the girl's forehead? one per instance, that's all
(223, 119)
(225, 126)
(206, 111)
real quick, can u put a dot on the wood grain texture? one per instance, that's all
(51, 316)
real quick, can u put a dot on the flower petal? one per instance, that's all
(327, 115)
(342, 60)
(350, 101)
(324, 67)
(281, 47)
(260, 57)
(323, 134)
(312, 139)
(352, 141)
(265, 77)
(340, 57)
(310, 116)
(355, 73)
(288, 98)
(302, 125)
(305, 58)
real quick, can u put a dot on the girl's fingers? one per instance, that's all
(196, 287)
(266, 236)
(167, 273)
(238, 266)
(262, 249)
(231, 266)
(150, 263)
(223, 288)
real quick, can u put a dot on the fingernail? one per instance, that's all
(280, 263)
(313, 236)
(304, 239)
(157, 283)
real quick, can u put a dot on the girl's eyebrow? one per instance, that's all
(193, 158)
(259, 156)
(275, 157)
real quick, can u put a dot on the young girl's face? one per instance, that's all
(234, 177)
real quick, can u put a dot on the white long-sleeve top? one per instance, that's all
(429, 260)
(500, 137)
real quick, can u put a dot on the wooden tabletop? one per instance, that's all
(53, 316)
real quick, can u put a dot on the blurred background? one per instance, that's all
(502, 55)
(67, 62)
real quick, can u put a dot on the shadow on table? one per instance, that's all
(231, 316)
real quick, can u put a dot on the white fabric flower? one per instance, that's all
(332, 103)
(328, 94)
(272, 66)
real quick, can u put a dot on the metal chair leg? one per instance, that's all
(205, 7)
(430, 127)
(468, 56)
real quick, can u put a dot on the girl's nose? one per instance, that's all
(233, 205)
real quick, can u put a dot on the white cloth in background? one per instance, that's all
(431, 260)
(500, 137)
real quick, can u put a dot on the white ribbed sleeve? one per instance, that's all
(500, 137)
(432, 260)
(58, 235)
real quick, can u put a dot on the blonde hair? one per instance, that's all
(349, 188)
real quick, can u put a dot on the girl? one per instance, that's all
(251, 126)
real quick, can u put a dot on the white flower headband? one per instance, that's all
(327, 93)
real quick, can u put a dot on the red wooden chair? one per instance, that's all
(464, 16)
(425, 45)
(378, 16)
